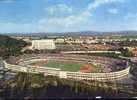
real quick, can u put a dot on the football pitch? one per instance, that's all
(63, 65)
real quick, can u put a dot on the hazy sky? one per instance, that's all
(67, 15)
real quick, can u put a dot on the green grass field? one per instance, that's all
(64, 66)
(125, 37)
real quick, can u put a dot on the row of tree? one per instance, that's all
(51, 86)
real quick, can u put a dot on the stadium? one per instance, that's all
(81, 67)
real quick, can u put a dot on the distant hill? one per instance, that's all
(73, 33)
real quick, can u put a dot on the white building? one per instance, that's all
(59, 40)
(43, 44)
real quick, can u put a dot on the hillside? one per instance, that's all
(10, 46)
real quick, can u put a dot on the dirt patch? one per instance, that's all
(87, 68)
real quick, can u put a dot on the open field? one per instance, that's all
(125, 37)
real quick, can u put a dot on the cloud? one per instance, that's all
(63, 24)
(98, 3)
(80, 20)
(72, 22)
(113, 11)
(59, 8)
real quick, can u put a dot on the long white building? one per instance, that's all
(43, 44)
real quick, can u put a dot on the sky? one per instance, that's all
(67, 15)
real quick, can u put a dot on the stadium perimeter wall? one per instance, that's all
(111, 76)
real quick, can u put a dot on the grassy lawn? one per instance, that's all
(64, 66)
